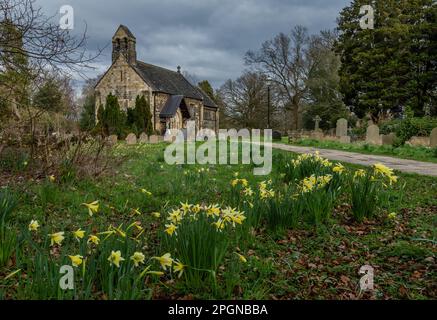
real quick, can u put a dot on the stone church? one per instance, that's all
(173, 100)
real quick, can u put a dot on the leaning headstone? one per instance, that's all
(388, 139)
(372, 135)
(131, 139)
(153, 139)
(144, 138)
(433, 138)
(341, 128)
(112, 139)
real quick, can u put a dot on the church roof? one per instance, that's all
(170, 82)
(171, 106)
(127, 31)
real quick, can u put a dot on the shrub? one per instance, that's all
(409, 127)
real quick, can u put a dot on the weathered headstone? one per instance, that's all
(317, 120)
(153, 139)
(112, 139)
(144, 138)
(388, 139)
(433, 138)
(341, 128)
(416, 141)
(131, 139)
(372, 135)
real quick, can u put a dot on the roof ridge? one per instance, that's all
(154, 65)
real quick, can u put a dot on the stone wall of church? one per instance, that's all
(122, 81)
(196, 110)
(210, 118)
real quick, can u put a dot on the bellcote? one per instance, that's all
(124, 42)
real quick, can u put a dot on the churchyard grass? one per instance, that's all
(130, 250)
(403, 152)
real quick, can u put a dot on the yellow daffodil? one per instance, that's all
(138, 258)
(52, 178)
(171, 228)
(359, 173)
(115, 258)
(120, 232)
(196, 208)
(248, 192)
(146, 192)
(213, 210)
(165, 260)
(33, 225)
(234, 182)
(137, 211)
(244, 182)
(93, 207)
(241, 257)
(175, 216)
(339, 168)
(94, 239)
(382, 169)
(56, 238)
(76, 260)
(156, 214)
(178, 267)
(392, 215)
(219, 224)
(79, 234)
(186, 207)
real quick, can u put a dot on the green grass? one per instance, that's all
(303, 263)
(403, 152)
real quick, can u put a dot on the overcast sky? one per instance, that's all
(207, 38)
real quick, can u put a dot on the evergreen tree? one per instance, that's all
(140, 118)
(88, 116)
(393, 65)
(206, 87)
(113, 120)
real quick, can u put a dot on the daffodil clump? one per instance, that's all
(306, 165)
(199, 235)
(368, 190)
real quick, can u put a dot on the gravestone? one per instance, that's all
(372, 135)
(416, 141)
(341, 128)
(433, 138)
(144, 138)
(131, 139)
(153, 139)
(388, 139)
(112, 139)
(317, 120)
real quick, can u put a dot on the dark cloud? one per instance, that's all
(208, 38)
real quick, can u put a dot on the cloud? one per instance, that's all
(208, 38)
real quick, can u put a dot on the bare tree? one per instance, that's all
(33, 46)
(244, 100)
(288, 60)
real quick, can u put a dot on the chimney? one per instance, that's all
(179, 69)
